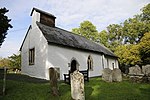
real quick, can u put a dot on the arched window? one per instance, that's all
(90, 63)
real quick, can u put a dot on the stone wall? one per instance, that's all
(136, 74)
(146, 70)
(136, 70)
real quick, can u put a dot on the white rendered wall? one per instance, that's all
(61, 56)
(34, 39)
(110, 61)
(35, 17)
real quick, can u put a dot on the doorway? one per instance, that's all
(73, 66)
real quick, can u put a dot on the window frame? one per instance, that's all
(32, 56)
(90, 63)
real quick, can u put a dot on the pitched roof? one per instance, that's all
(66, 38)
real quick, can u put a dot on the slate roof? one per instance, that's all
(66, 38)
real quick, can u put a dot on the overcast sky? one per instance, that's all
(69, 13)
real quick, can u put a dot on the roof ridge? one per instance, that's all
(41, 11)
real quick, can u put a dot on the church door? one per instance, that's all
(73, 66)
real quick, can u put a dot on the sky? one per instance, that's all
(69, 14)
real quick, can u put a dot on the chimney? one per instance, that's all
(42, 17)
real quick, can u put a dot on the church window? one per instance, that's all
(90, 63)
(31, 56)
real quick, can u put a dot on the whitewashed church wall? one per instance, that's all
(61, 56)
(111, 63)
(35, 18)
(34, 39)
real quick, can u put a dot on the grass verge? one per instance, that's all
(21, 87)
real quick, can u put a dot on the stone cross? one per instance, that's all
(77, 86)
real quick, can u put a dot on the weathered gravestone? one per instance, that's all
(116, 75)
(3, 72)
(53, 75)
(77, 86)
(146, 70)
(107, 75)
(135, 70)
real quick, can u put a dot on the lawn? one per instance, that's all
(21, 87)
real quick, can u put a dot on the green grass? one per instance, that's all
(20, 87)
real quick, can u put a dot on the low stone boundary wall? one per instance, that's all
(136, 74)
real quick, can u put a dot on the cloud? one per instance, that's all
(101, 12)
(69, 13)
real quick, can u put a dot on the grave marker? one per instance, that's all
(77, 86)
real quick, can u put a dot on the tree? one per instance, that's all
(134, 29)
(4, 24)
(128, 55)
(144, 48)
(115, 36)
(4, 62)
(103, 38)
(88, 30)
(146, 13)
(15, 61)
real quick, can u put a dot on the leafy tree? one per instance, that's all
(15, 61)
(128, 55)
(115, 36)
(146, 13)
(134, 29)
(103, 38)
(4, 62)
(131, 30)
(4, 24)
(144, 48)
(88, 30)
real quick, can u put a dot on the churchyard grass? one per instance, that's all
(21, 87)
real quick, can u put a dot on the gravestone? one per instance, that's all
(107, 75)
(57, 69)
(146, 70)
(136, 70)
(116, 75)
(3, 72)
(77, 86)
(53, 75)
